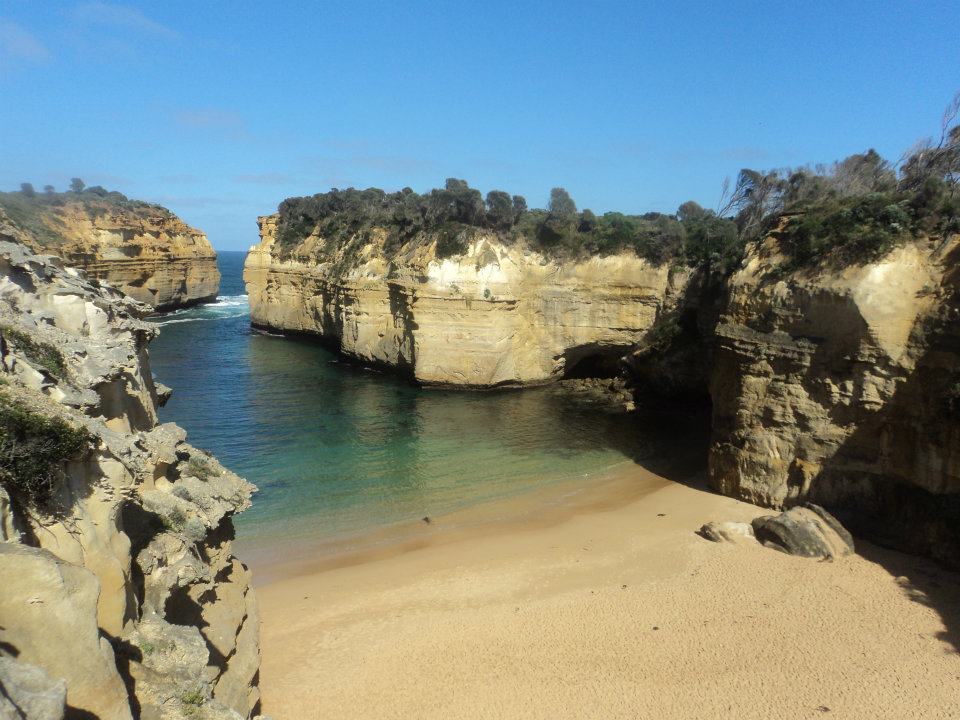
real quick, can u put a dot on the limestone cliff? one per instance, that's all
(142, 249)
(841, 385)
(497, 314)
(120, 593)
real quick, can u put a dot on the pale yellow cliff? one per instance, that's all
(840, 384)
(497, 315)
(143, 250)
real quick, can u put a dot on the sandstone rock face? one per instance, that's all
(147, 252)
(121, 582)
(497, 315)
(49, 616)
(842, 386)
(29, 693)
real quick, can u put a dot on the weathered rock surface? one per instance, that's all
(123, 583)
(498, 315)
(726, 531)
(808, 531)
(144, 250)
(28, 693)
(840, 386)
(48, 612)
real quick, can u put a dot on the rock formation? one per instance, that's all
(497, 315)
(120, 591)
(833, 382)
(142, 249)
(840, 384)
(806, 531)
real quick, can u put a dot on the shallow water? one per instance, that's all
(338, 450)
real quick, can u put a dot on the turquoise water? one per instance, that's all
(337, 449)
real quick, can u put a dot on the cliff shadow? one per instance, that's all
(669, 436)
(895, 480)
(922, 581)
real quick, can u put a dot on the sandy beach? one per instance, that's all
(606, 604)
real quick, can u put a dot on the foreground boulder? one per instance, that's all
(116, 568)
(726, 531)
(808, 531)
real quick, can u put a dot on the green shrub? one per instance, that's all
(199, 467)
(195, 697)
(454, 239)
(33, 449)
(864, 228)
(344, 219)
(37, 353)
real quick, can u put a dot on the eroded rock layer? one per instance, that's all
(118, 580)
(841, 385)
(144, 250)
(496, 315)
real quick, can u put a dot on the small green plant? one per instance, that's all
(37, 353)
(146, 647)
(33, 449)
(199, 467)
(174, 521)
(194, 698)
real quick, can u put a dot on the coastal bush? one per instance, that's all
(39, 354)
(33, 449)
(344, 220)
(859, 208)
(35, 213)
(199, 468)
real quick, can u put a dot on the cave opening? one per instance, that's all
(594, 361)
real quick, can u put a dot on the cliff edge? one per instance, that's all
(839, 383)
(144, 250)
(121, 597)
(447, 296)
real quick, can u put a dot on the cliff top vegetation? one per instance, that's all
(853, 210)
(345, 217)
(36, 212)
(859, 208)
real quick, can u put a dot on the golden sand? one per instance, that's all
(606, 604)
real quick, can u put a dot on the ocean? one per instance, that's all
(338, 450)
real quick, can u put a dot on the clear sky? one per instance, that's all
(219, 110)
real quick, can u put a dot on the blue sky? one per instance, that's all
(219, 110)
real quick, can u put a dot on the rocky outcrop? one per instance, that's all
(115, 562)
(495, 315)
(807, 531)
(841, 385)
(144, 250)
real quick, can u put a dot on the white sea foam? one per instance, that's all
(228, 306)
